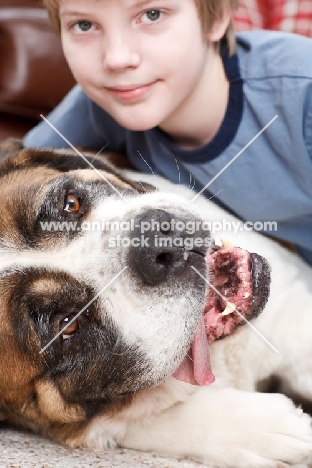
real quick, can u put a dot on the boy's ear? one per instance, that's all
(219, 27)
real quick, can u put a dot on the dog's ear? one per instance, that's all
(9, 146)
(14, 157)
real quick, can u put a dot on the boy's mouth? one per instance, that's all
(130, 92)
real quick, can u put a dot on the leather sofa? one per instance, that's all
(34, 75)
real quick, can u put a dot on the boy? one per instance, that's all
(160, 81)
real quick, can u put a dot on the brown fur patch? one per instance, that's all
(52, 405)
(11, 144)
(15, 189)
(17, 373)
(92, 175)
(44, 286)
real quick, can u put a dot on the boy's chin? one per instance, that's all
(138, 118)
(138, 124)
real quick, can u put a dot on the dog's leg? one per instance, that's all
(227, 428)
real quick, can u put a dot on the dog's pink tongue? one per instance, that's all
(195, 368)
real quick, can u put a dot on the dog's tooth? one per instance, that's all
(246, 295)
(218, 241)
(226, 243)
(186, 255)
(230, 307)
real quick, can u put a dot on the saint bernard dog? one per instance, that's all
(124, 322)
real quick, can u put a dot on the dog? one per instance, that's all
(125, 323)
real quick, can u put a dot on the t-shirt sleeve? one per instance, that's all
(77, 121)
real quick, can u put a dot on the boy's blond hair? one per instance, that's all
(208, 10)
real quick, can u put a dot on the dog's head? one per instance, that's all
(102, 288)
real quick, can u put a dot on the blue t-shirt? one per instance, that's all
(271, 180)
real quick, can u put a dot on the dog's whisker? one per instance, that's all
(146, 163)
(99, 152)
(191, 188)
(215, 195)
(136, 180)
(179, 180)
(144, 189)
(22, 162)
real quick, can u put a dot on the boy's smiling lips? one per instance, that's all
(130, 92)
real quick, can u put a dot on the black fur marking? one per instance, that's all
(94, 367)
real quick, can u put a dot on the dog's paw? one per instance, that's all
(228, 428)
(262, 431)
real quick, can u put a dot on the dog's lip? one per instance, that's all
(239, 288)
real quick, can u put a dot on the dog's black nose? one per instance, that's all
(162, 245)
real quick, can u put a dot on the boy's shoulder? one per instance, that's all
(264, 54)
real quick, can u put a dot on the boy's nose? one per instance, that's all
(120, 54)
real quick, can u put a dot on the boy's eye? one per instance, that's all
(151, 15)
(83, 26)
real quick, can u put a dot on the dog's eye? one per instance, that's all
(71, 325)
(72, 204)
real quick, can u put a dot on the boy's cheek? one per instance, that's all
(81, 60)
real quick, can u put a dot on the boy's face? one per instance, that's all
(144, 62)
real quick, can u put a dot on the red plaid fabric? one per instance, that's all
(284, 15)
(248, 16)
